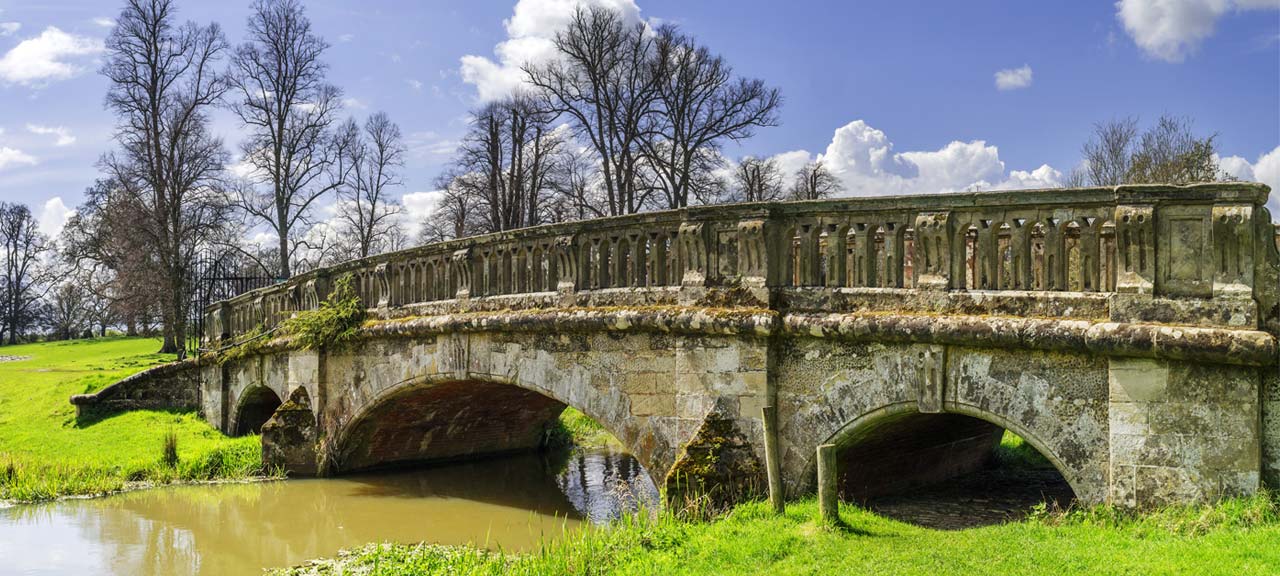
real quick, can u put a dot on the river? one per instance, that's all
(510, 503)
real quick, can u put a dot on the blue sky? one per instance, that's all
(897, 96)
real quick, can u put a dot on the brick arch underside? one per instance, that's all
(871, 393)
(254, 407)
(450, 418)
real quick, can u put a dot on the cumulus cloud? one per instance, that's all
(417, 207)
(1265, 170)
(1013, 78)
(1171, 29)
(104, 22)
(864, 159)
(14, 157)
(9, 28)
(54, 216)
(62, 136)
(354, 103)
(51, 56)
(530, 30)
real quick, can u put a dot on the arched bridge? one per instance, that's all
(1128, 333)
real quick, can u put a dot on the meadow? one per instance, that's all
(46, 452)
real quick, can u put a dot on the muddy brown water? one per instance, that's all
(511, 503)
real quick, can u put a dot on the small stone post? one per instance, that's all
(828, 500)
(773, 464)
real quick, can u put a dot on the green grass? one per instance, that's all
(574, 428)
(45, 454)
(1234, 538)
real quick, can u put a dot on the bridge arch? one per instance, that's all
(458, 416)
(254, 407)
(927, 447)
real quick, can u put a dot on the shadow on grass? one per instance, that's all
(92, 417)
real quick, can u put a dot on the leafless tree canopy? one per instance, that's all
(100, 241)
(603, 84)
(367, 209)
(1168, 152)
(757, 180)
(164, 79)
(814, 181)
(505, 164)
(700, 104)
(281, 96)
(25, 277)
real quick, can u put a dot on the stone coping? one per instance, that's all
(1215, 345)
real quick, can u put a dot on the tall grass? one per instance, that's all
(1232, 538)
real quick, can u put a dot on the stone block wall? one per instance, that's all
(169, 387)
(1182, 432)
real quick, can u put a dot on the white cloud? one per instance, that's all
(63, 135)
(417, 207)
(47, 57)
(1172, 29)
(104, 22)
(1013, 78)
(430, 146)
(530, 30)
(9, 28)
(344, 38)
(864, 160)
(354, 103)
(1265, 170)
(13, 157)
(54, 216)
(415, 84)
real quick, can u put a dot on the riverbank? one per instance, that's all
(47, 453)
(1233, 538)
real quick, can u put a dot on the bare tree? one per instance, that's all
(757, 180)
(25, 277)
(578, 186)
(813, 181)
(163, 81)
(68, 314)
(1108, 154)
(1168, 152)
(602, 80)
(282, 98)
(505, 164)
(366, 208)
(101, 240)
(702, 104)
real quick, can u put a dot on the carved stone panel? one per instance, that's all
(1184, 252)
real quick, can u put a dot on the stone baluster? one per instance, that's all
(462, 271)
(1090, 254)
(808, 255)
(1135, 244)
(382, 284)
(837, 237)
(1055, 255)
(636, 273)
(693, 253)
(1233, 250)
(657, 264)
(932, 262)
(568, 262)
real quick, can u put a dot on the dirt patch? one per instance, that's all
(982, 498)
(14, 358)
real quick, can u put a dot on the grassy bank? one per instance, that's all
(1234, 538)
(45, 453)
(574, 428)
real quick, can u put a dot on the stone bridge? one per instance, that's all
(1128, 334)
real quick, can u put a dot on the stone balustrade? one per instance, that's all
(1162, 254)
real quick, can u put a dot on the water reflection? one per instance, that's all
(512, 503)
